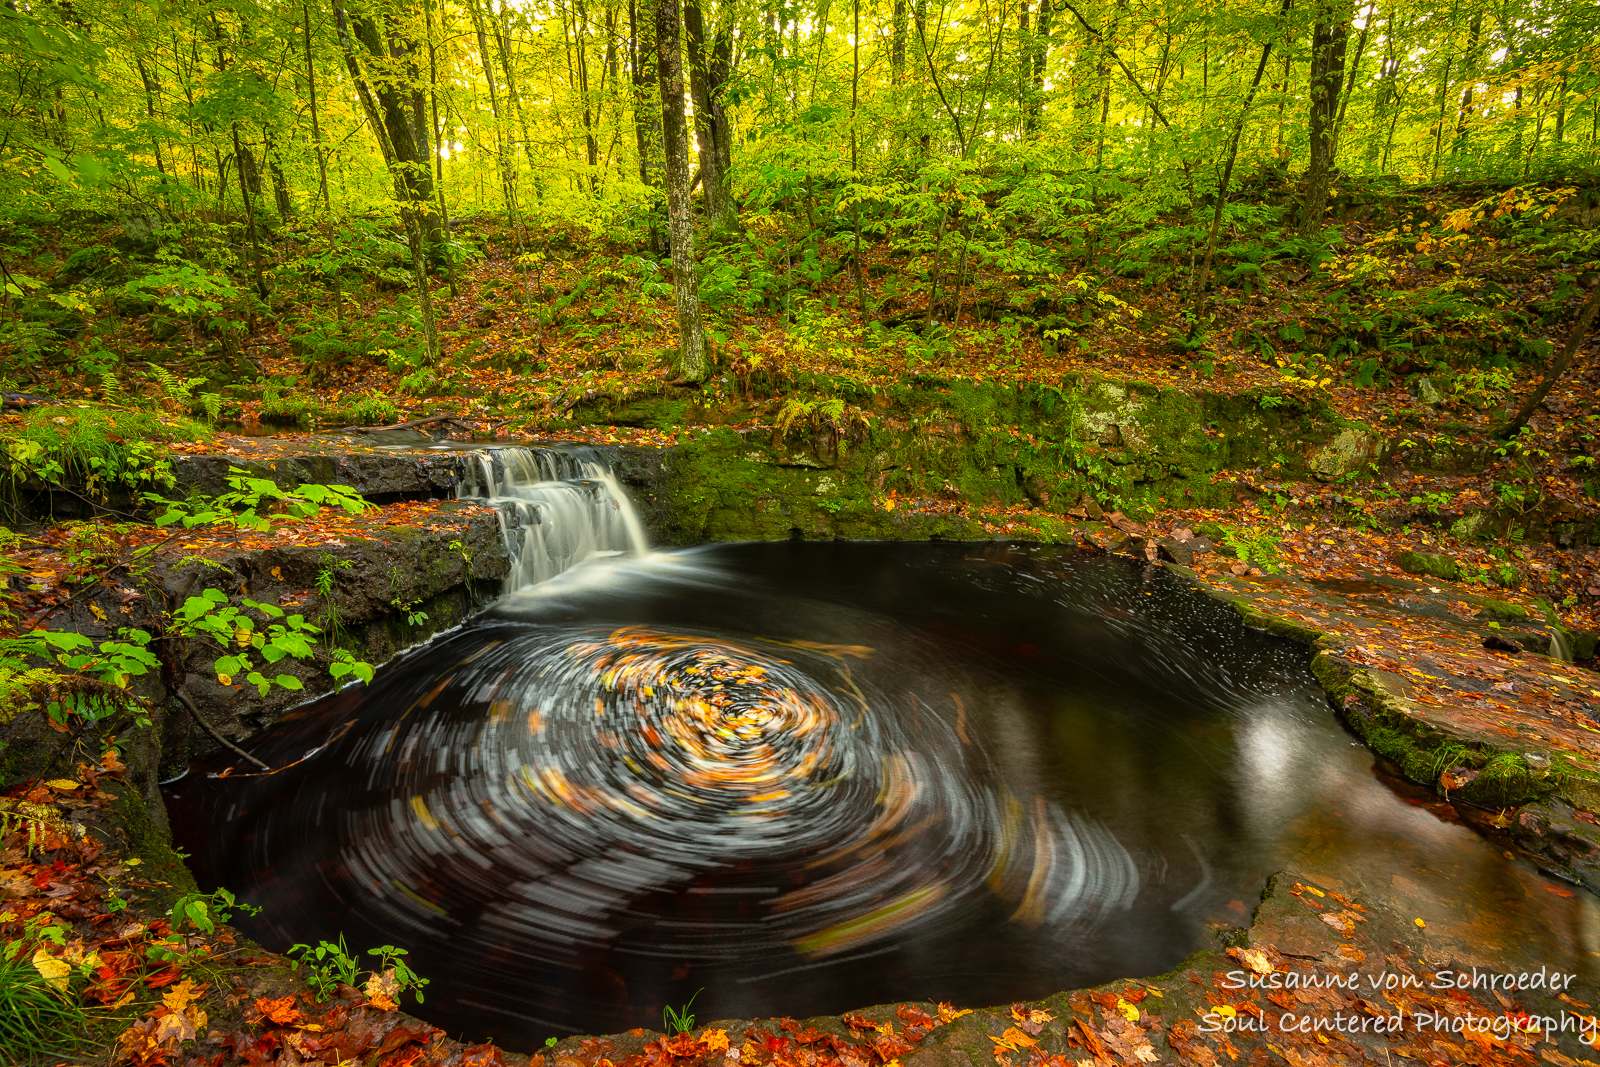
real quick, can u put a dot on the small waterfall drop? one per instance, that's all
(558, 507)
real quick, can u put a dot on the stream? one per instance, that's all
(798, 777)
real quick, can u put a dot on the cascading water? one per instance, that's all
(558, 507)
(800, 778)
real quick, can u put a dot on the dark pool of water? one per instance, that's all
(804, 777)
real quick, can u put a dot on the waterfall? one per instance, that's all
(557, 506)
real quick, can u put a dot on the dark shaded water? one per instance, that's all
(806, 777)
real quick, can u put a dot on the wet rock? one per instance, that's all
(1500, 643)
(1442, 567)
(1564, 844)
(1175, 551)
(375, 475)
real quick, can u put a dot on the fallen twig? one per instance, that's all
(212, 730)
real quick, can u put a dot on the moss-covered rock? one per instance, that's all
(1434, 566)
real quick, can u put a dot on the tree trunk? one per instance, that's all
(1199, 283)
(508, 178)
(692, 362)
(1328, 39)
(382, 63)
(407, 179)
(1558, 366)
(316, 124)
(708, 71)
(897, 42)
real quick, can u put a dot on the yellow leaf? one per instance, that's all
(178, 997)
(715, 1040)
(225, 679)
(277, 572)
(1419, 922)
(54, 971)
(1224, 1010)
(97, 611)
(63, 785)
(1129, 1011)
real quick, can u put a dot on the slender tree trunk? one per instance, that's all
(855, 173)
(1469, 72)
(1198, 283)
(280, 185)
(1350, 82)
(692, 361)
(508, 179)
(503, 47)
(708, 71)
(372, 53)
(316, 122)
(405, 171)
(1558, 366)
(1328, 39)
(250, 221)
(897, 42)
(437, 142)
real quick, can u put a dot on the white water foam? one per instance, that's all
(557, 507)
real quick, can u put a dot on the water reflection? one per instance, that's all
(808, 777)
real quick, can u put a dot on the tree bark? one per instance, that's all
(1328, 39)
(1558, 367)
(1199, 283)
(692, 362)
(708, 72)
(382, 63)
(508, 179)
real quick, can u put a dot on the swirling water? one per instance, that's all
(804, 777)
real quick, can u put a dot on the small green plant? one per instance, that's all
(327, 581)
(406, 605)
(1256, 547)
(680, 1021)
(201, 911)
(395, 973)
(329, 965)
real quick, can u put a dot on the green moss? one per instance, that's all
(151, 844)
(1434, 566)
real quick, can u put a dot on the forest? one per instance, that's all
(1290, 304)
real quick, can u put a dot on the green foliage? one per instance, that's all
(679, 1021)
(202, 912)
(273, 635)
(1256, 547)
(248, 496)
(329, 965)
(92, 448)
(36, 1021)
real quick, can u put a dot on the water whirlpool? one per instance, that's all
(794, 778)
